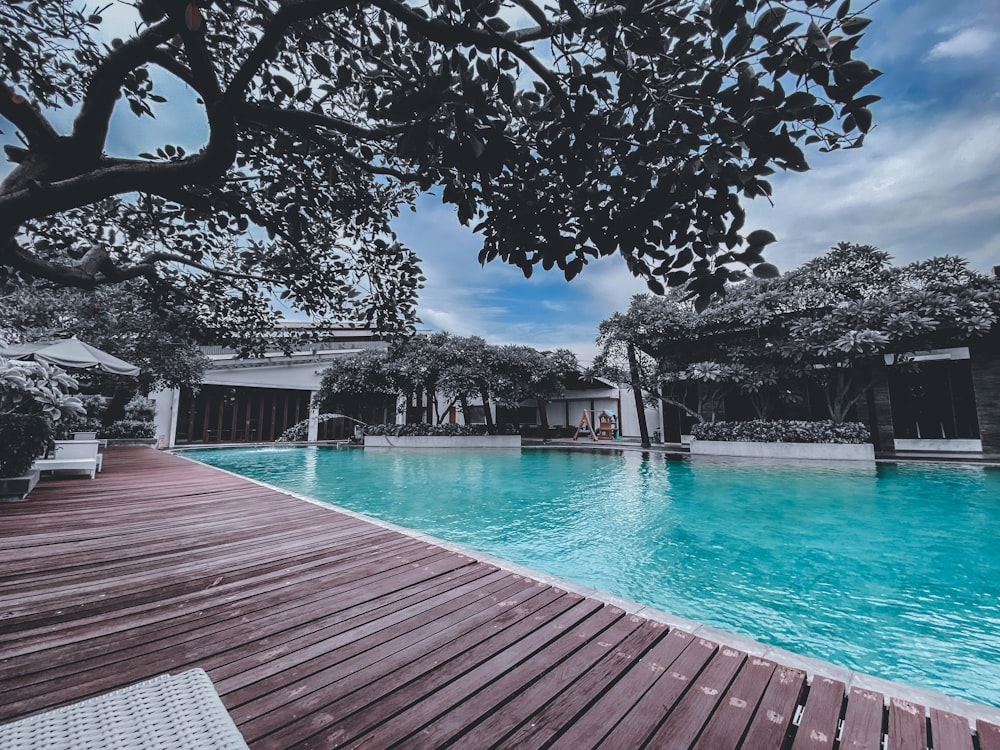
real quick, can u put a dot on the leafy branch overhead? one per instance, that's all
(561, 134)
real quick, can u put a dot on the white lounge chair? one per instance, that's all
(73, 455)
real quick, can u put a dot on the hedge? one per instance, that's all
(783, 431)
(447, 429)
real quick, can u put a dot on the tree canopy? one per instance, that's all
(828, 322)
(461, 369)
(560, 133)
(116, 320)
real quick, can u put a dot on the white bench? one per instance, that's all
(73, 455)
(67, 449)
(88, 465)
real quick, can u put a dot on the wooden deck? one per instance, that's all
(320, 630)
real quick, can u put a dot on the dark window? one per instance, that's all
(933, 400)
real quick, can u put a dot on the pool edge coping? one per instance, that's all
(813, 667)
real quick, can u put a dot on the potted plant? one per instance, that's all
(33, 397)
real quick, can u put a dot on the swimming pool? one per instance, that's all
(893, 571)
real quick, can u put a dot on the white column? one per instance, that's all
(313, 419)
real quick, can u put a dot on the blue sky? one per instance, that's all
(926, 183)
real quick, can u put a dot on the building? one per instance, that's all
(254, 400)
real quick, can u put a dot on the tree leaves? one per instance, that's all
(636, 134)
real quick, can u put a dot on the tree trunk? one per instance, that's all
(487, 414)
(543, 417)
(116, 408)
(640, 408)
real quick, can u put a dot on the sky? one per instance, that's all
(926, 183)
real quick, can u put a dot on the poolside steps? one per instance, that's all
(322, 630)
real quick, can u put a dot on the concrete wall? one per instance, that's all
(825, 451)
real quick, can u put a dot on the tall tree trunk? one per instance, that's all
(487, 414)
(116, 407)
(543, 417)
(640, 408)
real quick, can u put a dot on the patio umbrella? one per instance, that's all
(70, 353)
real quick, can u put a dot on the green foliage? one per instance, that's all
(122, 320)
(357, 384)
(90, 421)
(37, 388)
(829, 322)
(448, 429)
(463, 369)
(129, 429)
(783, 431)
(641, 131)
(23, 438)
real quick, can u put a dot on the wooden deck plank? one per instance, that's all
(355, 685)
(599, 717)
(988, 735)
(375, 707)
(821, 716)
(537, 718)
(252, 628)
(468, 676)
(907, 725)
(523, 689)
(642, 719)
(732, 718)
(862, 728)
(771, 725)
(949, 731)
(688, 718)
(320, 630)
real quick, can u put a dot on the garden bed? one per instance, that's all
(442, 441)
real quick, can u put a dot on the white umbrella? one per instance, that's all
(70, 353)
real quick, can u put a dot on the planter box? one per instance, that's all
(442, 441)
(830, 451)
(17, 488)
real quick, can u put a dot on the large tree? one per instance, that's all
(117, 320)
(830, 322)
(561, 133)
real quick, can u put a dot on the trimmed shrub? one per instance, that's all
(783, 431)
(24, 437)
(129, 429)
(448, 429)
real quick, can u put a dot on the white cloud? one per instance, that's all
(970, 42)
(919, 188)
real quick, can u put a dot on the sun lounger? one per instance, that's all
(168, 712)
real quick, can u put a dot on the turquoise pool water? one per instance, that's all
(893, 571)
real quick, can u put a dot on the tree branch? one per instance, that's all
(273, 35)
(293, 118)
(28, 119)
(449, 34)
(90, 129)
(577, 22)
